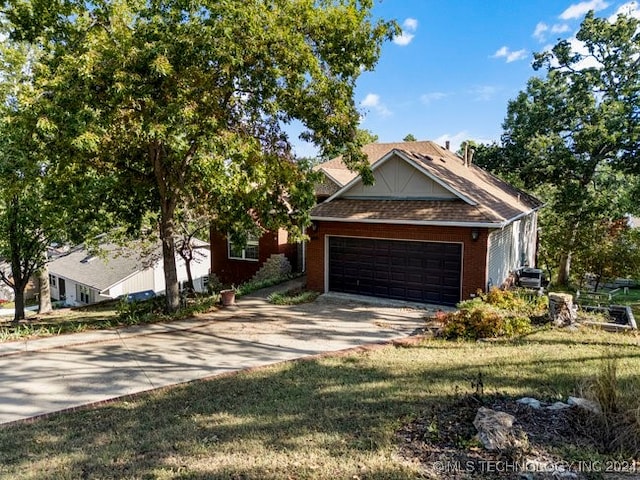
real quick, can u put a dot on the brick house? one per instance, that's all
(235, 264)
(434, 228)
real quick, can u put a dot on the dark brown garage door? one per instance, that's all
(426, 272)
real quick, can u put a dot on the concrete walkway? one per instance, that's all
(58, 373)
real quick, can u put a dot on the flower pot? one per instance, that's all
(228, 297)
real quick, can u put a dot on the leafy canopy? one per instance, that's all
(182, 104)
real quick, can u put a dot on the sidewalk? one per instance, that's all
(58, 373)
(96, 336)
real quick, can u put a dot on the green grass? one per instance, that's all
(100, 316)
(324, 418)
(293, 297)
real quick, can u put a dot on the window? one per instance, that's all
(84, 294)
(244, 252)
(52, 281)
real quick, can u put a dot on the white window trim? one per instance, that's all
(251, 240)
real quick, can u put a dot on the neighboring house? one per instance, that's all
(78, 277)
(434, 228)
(236, 264)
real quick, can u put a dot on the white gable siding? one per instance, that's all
(511, 248)
(398, 179)
(139, 282)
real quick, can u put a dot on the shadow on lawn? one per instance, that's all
(317, 418)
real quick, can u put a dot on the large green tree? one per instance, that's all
(27, 220)
(179, 99)
(573, 134)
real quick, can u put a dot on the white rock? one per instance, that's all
(532, 402)
(558, 406)
(584, 403)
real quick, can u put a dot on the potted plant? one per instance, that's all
(228, 296)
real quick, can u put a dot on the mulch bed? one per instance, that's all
(444, 441)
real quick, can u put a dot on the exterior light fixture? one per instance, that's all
(475, 234)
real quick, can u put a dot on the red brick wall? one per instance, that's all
(233, 271)
(474, 261)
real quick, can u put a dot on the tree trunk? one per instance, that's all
(172, 291)
(564, 269)
(18, 293)
(45, 291)
(187, 265)
(19, 282)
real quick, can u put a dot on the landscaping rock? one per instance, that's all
(558, 406)
(495, 430)
(532, 402)
(588, 405)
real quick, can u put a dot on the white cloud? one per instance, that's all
(483, 93)
(578, 10)
(373, 102)
(409, 26)
(560, 28)
(403, 39)
(510, 56)
(455, 139)
(427, 98)
(539, 32)
(630, 9)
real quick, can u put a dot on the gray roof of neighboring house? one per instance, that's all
(111, 265)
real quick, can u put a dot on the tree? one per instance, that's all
(409, 138)
(177, 99)
(25, 218)
(570, 132)
(190, 225)
(363, 137)
(613, 251)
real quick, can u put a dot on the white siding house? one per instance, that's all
(511, 248)
(79, 277)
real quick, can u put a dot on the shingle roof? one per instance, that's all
(111, 266)
(403, 211)
(496, 201)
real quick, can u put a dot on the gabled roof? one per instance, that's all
(112, 265)
(480, 198)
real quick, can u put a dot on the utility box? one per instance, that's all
(530, 277)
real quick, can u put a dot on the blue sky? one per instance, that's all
(452, 72)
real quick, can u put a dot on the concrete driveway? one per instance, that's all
(52, 374)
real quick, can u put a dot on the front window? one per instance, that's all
(84, 293)
(244, 252)
(52, 281)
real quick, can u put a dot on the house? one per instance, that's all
(236, 264)
(434, 228)
(81, 277)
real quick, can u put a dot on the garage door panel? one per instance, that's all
(410, 270)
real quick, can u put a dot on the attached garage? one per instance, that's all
(421, 231)
(426, 272)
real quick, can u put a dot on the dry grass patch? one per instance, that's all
(325, 418)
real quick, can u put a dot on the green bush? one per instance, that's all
(293, 297)
(253, 285)
(498, 313)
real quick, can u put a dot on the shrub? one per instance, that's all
(293, 297)
(253, 285)
(495, 314)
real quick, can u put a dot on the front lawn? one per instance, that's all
(334, 417)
